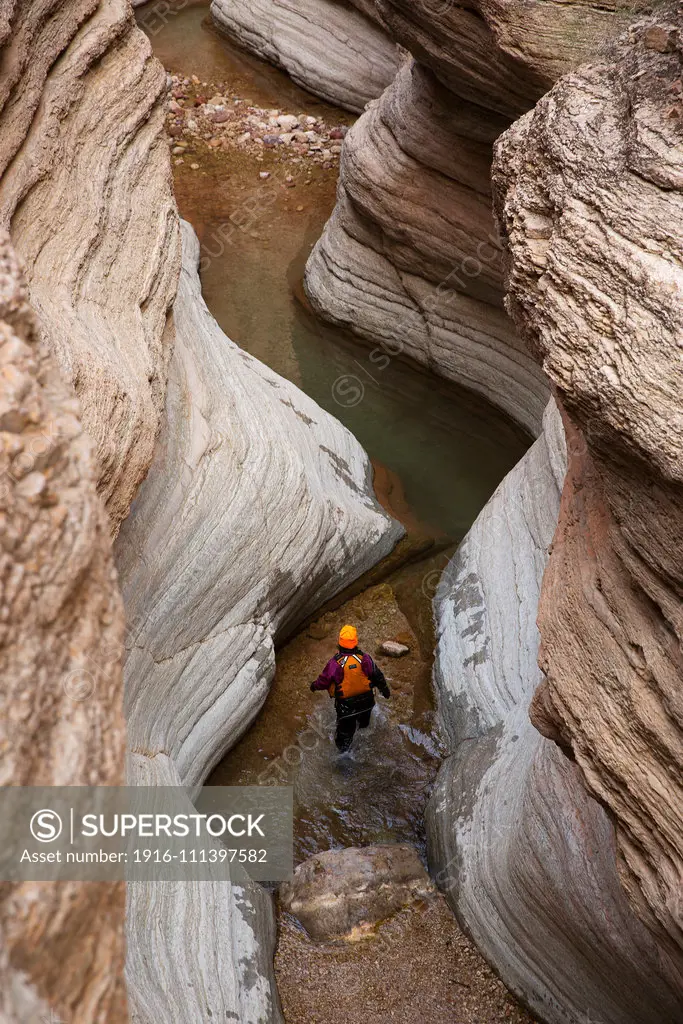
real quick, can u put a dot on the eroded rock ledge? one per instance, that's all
(85, 191)
(589, 191)
(411, 259)
(61, 719)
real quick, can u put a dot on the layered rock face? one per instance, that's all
(522, 45)
(589, 191)
(86, 194)
(525, 856)
(257, 508)
(411, 259)
(60, 648)
(330, 47)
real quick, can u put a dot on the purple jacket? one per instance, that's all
(334, 673)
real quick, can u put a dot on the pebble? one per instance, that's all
(194, 167)
(299, 209)
(304, 134)
(393, 649)
(264, 174)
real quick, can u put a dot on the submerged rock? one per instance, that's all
(346, 893)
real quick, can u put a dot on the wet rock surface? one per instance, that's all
(346, 893)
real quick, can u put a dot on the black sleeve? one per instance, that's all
(377, 679)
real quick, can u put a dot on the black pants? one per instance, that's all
(346, 726)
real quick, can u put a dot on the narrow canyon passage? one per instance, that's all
(438, 452)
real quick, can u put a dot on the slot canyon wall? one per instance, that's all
(257, 509)
(85, 193)
(586, 923)
(581, 844)
(411, 259)
(338, 50)
(589, 191)
(89, 263)
(525, 856)
(588, 194)
(60, 656)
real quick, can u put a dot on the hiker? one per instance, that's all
(350, 677)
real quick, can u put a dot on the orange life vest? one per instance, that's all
(355, 680)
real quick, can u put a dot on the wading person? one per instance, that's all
(350, 677)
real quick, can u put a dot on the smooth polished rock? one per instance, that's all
(411, 260)
(327, 46)
(257, 508)
(524, 854)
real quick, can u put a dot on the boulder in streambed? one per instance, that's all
(346, 893)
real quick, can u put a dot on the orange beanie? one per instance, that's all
(348, 637)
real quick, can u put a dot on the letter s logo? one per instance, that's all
(46, 826)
